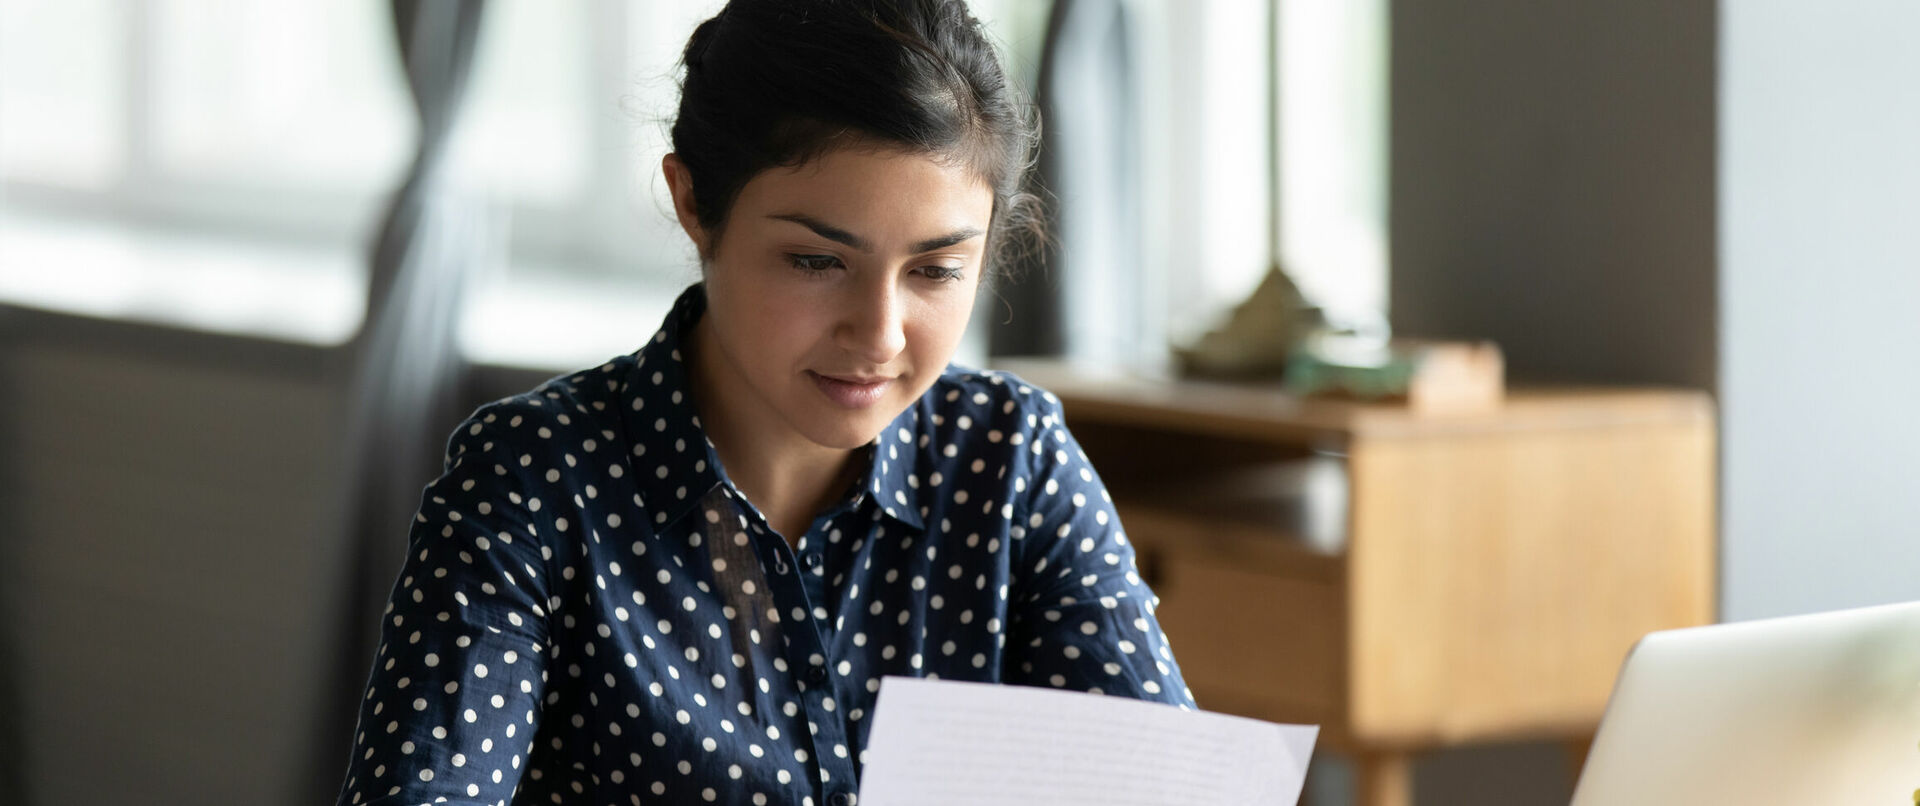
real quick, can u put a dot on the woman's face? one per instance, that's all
(840, 288)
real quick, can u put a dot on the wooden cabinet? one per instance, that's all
(1407, 582)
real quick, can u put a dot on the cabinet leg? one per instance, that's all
(1577, 750)
(1384, 779)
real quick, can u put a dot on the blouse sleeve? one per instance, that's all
(454, 694)
(1081, 618)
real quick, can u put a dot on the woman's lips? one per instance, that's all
(849, 392)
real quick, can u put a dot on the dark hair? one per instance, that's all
(776, 83)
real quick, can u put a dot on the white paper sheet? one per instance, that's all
(936, 743)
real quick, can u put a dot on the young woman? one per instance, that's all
(680, 577)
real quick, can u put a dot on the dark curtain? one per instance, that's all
(405, 370)
(1086, 302)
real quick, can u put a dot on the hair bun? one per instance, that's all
(695, 56)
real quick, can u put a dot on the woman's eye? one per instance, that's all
(812, 263)
(945, 274)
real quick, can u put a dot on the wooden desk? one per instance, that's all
(1407, 582)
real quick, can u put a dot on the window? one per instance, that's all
(75, 98)
(1331, 69)
(198, 162)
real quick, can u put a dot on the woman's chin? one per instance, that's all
(849, 434)
(840, 429)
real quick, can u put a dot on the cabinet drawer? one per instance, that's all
(1251, 642)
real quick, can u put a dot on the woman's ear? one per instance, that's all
(680, 185)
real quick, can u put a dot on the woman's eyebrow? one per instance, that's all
(946, 240)
(838, 235)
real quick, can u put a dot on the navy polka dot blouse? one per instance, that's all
(591, 613)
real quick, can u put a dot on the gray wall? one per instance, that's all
(1820, 304)
(1552, 183)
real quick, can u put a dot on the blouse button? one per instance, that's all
(811, 559)
(840, 799)
(817, 674)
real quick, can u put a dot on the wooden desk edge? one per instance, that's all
(1267, 414)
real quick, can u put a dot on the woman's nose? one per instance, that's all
(873, 327)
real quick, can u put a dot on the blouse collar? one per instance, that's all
(658, 384)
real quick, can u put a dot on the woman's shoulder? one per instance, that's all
(992, 390)
(563, 412)
(992, 407)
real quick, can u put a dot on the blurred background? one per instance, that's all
(220, 223)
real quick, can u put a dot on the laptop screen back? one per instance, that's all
(1821, 709)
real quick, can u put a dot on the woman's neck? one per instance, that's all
(788, 477)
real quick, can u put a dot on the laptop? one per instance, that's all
(1819, 709)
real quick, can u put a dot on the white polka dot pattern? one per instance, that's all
(590, 611)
